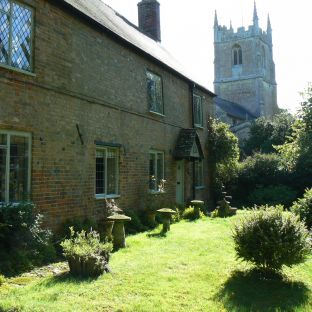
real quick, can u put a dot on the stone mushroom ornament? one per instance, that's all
(119, 236)
(166, 217)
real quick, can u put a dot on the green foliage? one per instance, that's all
(78, 224)
(223, 154)
(303, 208)
(190, 213)
(297, 151)
(2, 279)
(259, 180)
(84, 245)
(23, 241)
(272, 195)
(135, 225)
(265, 133)
(270, 238)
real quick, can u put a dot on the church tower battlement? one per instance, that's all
(244, 66)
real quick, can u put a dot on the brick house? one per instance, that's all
(93, 107)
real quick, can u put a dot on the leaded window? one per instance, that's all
(14, 166)
(198, 110)
(237, 55)
(199, 173)
(156, 170)
(155, 93)
(16, 31)
(107, 171)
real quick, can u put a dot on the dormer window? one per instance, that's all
(237, 55)
(16, 32)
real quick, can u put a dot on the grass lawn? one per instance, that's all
(193, 268)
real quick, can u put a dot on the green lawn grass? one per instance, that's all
(193, 268)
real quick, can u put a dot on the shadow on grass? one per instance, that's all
(157, 235)
(67, 278)
(252, 291)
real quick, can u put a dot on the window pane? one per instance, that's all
(152, 172)
(198, 114)
(3, 139)
(112, 162)
(18, 168)
(160, 168)
(199, 174)
(4, 31)
(154, 90)
(240, 56)
(21, 37)
(100, 172)
(2, 172)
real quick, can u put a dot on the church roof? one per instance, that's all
(112, 22)
(234, 109)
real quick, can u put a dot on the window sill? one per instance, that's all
(112, 196)
(156, 192)
(199, 187)
(199, 127)
(14, 69)
(156, 113)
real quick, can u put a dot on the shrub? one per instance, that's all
(272, 195)
(135, 225)
(191, 214)
(2, 279)
(23, 241)
(303, 208)
(86, 255)
(270, 238)
(78, 224)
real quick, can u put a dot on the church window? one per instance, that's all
(155, 93)
(237, 55)
(16, 32)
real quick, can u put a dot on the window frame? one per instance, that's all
(8, 134)
(237, 55)
(162, 112)
(156, 152)
(31, 58)
(201, 184)
(117, 172)
(201, 124)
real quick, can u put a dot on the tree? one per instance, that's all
(296, 152)
(265, 133)
(223, 153)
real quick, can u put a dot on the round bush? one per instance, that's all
(303, 208)
(270, 238)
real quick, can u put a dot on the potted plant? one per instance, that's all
(86, 255)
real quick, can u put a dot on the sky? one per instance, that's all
(187, 33)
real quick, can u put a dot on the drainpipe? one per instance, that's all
(192, 87)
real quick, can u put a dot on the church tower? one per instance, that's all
(244, 66)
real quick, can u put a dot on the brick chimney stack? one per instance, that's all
(149, 18)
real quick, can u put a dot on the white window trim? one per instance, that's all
(27, 135)
(201, 126)
(155, 152)
(104, 195)
(31, 61)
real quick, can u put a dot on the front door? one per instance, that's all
(180, 182)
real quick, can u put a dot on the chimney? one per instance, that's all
(149, 18)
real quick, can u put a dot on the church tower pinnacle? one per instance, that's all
(255, 16)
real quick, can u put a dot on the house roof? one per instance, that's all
(105, 16)
(188, 145)
(234, 109)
